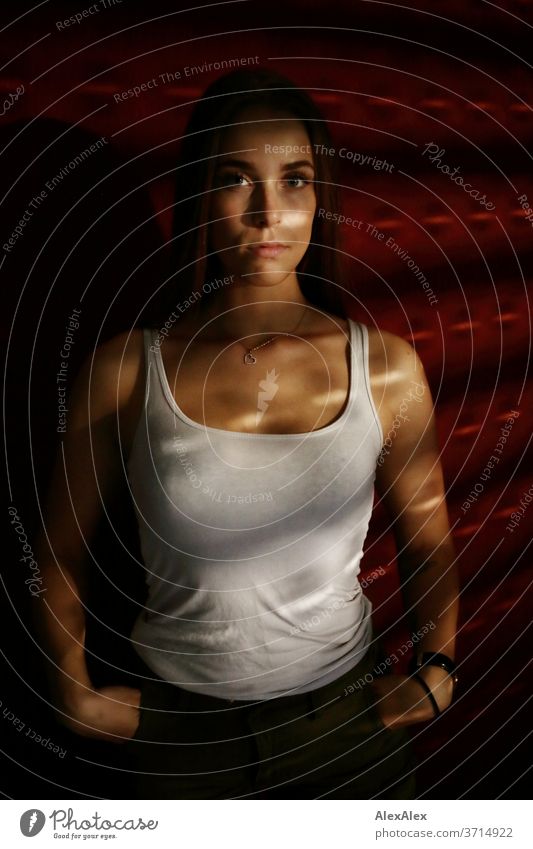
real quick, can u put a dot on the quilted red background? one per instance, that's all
(391, 81)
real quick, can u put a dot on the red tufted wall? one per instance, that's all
(424, 91)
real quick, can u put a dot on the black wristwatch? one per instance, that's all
(430, 658)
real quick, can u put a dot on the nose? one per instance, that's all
(264, 206)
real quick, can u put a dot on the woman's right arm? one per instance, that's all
(87, 474)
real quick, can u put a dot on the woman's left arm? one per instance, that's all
(410, 482)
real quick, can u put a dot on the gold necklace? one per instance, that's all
(249, 358)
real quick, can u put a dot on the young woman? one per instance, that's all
(252, 423)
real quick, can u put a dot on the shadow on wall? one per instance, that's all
(81, 256)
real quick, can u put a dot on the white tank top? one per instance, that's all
(252, 542)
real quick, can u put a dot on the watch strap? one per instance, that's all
(429, 694)
(434, 659)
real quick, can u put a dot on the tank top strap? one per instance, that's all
(365, 386)
(149, 366)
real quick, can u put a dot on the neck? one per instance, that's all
(244, 311)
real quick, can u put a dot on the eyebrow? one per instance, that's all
(243, 163)
(300, 163)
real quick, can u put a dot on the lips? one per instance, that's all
(269, 250)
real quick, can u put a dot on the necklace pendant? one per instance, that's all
(249, 359)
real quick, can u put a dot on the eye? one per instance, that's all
(233, 179)
(297, 180)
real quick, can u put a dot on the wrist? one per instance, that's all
(438, 671)
(440, 683)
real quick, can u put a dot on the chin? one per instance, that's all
(264, 272)
(264, 277)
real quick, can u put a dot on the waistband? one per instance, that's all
(354, 679)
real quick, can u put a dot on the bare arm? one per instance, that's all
(410, 482)
(86, 476)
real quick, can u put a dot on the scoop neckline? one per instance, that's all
(244, 434)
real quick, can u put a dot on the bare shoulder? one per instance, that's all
(328, 326)
(111, 382)
(388, 352)
(396, 371)
(114, 366)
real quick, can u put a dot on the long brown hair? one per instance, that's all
(319, 272)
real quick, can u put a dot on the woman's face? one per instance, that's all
(263, 202)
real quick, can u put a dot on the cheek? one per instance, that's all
(300, 221)
(225, 215)
(224, 204)
(304, 212)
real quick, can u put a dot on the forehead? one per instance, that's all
(270, 133)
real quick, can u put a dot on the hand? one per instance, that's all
(401, 700)
(109, 713)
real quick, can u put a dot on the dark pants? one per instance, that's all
(330, 743)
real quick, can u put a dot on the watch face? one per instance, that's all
(438, 659)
